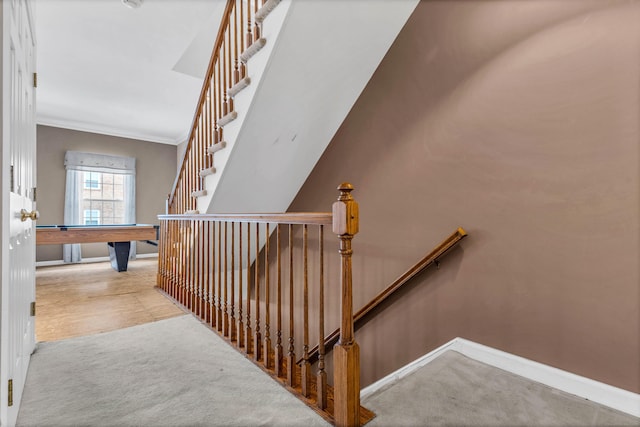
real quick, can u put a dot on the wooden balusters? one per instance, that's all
(240, 335)
(161, 258)
(200, 269)
(208, 264)
(248, 34)
(188, 265)
(225, 311)
(257, 343)
(195, 295)
(214, 101)
(214, 252)
(256, 26)
(321, 376)
(186, 283)
(226, 107)
(173, 262)
(305, 366)
(279, 357)
(236, 69)
(248, 333)
(267, 352)
(167, 245)
(207, 132)
(240, 38)
(207, 272)
(192, 265)
(221, 111)
(176, 258)
(220, 320)
(291, 355)
(193, 291)
(232, 315)
(178, 261)
(181, 272)
(203, 270)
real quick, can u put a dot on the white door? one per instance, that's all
(17, 331)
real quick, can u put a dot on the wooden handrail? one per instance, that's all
(203, 92)
(310, 218)
(199, 266)
(237, 40)
(431, 258)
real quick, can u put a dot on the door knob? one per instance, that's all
(25, 215)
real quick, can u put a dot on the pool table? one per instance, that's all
(118, 237)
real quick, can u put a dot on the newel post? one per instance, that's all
(346, 353)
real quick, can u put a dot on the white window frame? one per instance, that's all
(75, 163)
(88, 179)
(93, 214)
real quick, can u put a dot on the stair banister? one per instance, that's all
(238, 39)
(346, 353)
(197, 268)
(203, 95)
(432, 258)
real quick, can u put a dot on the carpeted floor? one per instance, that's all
(176, 372)
(172, 372)
(454, 390)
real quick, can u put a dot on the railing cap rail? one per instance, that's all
(203, 92)
(309, 218)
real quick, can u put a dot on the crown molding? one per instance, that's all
(106, 130)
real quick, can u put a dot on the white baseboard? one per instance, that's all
(152, 255)
(90, 260)
(61, 262)
(604, 394)
(405, 370)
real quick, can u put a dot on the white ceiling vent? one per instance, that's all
(133, 4)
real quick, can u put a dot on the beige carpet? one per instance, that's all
(172, 372)
(454, 390)
(176, 372)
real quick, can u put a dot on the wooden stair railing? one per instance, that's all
(238, 39)
(432, 258)
(258, 289)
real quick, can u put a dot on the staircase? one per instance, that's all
(301, 67)
(271, 307)
(283, 76)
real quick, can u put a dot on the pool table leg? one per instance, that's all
(119, 255)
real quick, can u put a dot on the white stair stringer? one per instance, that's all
(242, 99)
(317, 59)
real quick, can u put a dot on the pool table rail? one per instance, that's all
(56, 235)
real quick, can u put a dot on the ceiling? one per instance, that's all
(136, 73)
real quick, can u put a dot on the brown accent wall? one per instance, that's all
(518, 120)
(155, 172)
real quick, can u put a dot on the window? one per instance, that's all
(107, 198)
(92, 180)
(91, 217)
(100, 190)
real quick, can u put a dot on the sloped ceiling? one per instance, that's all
(106, 68)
